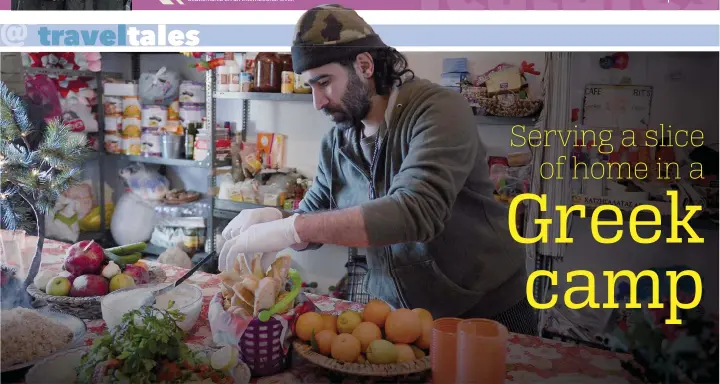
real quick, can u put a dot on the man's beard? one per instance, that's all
(354, 105)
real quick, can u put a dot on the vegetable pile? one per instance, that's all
(147, 347)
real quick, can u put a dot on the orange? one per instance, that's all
(366, 332)
(403, 326)
(324, 340)
(306, 323)
(376, 311)
(405, 353)
(424, 314)
(345, 347)
(426, 320)
(330, 322)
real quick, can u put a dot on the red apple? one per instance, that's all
(139, 274)
(85, 257)
(89, 285)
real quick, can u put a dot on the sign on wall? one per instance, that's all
(617, 106)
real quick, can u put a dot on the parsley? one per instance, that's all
(133, 352)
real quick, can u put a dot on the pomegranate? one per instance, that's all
(139, 274)
(89, 285)
(85, 257)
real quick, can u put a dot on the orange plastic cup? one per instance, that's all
(481, 351)
(443, 350)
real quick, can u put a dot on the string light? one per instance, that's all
(2, 196)
(35, 172)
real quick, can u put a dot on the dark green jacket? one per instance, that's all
(451, 248)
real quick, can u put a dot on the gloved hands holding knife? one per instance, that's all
(260, 230)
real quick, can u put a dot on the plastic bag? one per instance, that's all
(133, 220)
(510, 181)
(41, 90)
(160, 88)
(148, 184)
(62, 222)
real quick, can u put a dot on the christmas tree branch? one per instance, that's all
(36, 260)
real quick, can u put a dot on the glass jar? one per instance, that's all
(268, 70)
(286, 62)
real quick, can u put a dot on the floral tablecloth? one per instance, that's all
(530, 359)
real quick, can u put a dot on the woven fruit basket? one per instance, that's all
(87, 308)
(362, 369)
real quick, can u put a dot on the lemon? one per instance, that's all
(224, 359)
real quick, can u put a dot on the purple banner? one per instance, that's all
(5, 5)
(190, 5)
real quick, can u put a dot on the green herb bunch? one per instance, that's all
(138, 350)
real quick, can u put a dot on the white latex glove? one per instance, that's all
(248, 217)
(269, 237)
(240, 223)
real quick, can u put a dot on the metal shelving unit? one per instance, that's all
(505, 121)
(303, 97)
(227, 209)
(95, 155)
(162, 161)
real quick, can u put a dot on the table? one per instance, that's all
(530, 359)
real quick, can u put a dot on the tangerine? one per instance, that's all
(376, 311)
(307, 323)
(426, 321)
(366, 332)
(345, 347)
(403, 326)
(405, 353)
(330, 322)
(324, 341)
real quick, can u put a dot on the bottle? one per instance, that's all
(190, 140)
(223, 80)
(233, 70)
(285, 63)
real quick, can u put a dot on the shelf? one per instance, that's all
(264, 96)
(228, 209)
(153, 250)
(66, 72)
(509, 121)
(164, 161)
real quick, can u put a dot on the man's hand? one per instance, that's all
(272, 236)
(239, 224)
(248, 217)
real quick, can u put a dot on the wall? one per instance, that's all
(11, 72)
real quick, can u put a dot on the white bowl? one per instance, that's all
(188, 300)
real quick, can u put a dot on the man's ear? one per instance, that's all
(365, 65)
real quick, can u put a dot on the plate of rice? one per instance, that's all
(29, 336)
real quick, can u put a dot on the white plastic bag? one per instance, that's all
(63, 222)
(133, 220)
(160, 88)
(146, 183)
